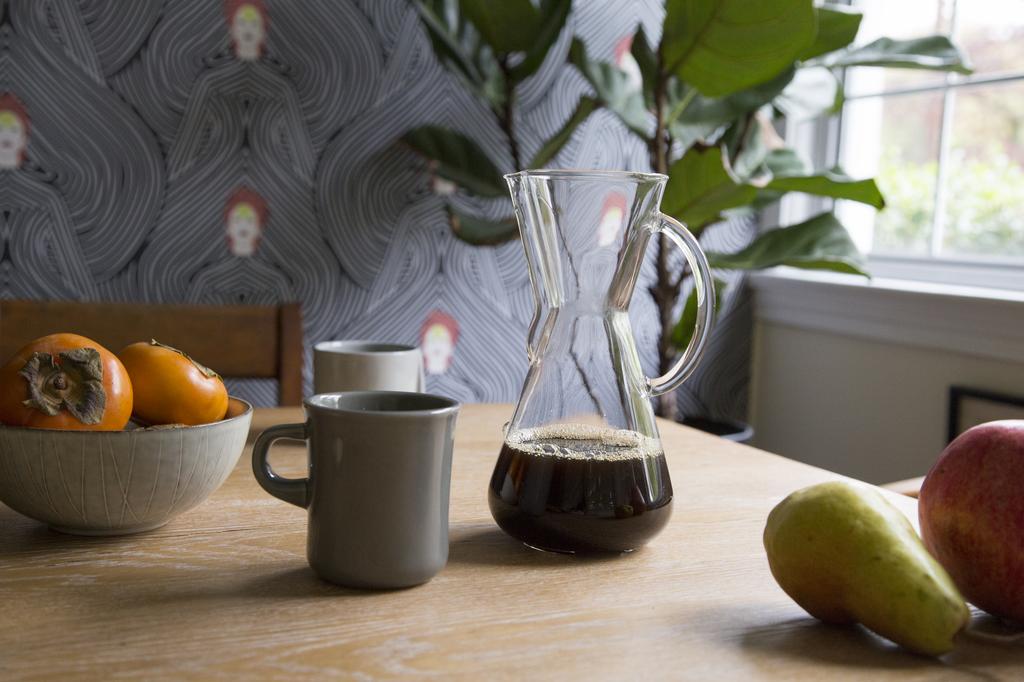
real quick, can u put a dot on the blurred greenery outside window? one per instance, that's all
(947, 150)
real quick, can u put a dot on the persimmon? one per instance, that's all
(172, 388)
(65, 381)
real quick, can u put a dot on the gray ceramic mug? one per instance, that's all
(366, 366)
(379, 478)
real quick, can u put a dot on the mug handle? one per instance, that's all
(687, 362)
(294, 490)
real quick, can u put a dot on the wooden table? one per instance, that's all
(224, 592)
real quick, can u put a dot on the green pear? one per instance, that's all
(846, 555)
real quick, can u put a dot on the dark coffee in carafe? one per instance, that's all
(582, 469)
(582, 489)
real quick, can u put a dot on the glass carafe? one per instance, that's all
(582, 467)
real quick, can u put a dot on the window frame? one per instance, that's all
(821, 143)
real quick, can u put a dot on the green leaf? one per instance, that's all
(723, 46)
(613, 89)
(679, 99)
(553, 14)
(833, 183)
(785, 161)
(821, 243)
(550, 149)
(933, 52)
(778, 162)
(457, 158)
(765, 198)
(688, 135)
(700, 187)
(506, 25)
(683, 331)
(648, 63)
(693, 117)
(749, 144)
(458, 47)
(480, 231)
(446, 45)
(837, 28)
(727, 109)
(790, 173)
(492, 89)
(814, 91)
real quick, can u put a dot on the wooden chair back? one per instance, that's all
(235, 340)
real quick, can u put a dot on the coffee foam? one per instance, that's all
(622, 444)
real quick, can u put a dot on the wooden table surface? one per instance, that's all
(224, 592)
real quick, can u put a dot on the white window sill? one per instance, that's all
(972, 320)
(989, 274)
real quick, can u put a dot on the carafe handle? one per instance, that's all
(687, 362)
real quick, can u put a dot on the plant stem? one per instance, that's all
(666, 290)
(505, 117)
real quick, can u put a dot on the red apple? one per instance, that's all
(971, 510)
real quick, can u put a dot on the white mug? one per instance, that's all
(366, 366)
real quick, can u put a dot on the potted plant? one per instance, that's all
(710, 96)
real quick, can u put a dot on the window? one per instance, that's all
(947, 150)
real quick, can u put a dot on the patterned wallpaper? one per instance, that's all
(215, 151)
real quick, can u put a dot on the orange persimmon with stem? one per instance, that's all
(65, 381)
(172, 388)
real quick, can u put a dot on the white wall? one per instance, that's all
(864, 404)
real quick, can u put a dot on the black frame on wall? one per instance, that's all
(957, 395)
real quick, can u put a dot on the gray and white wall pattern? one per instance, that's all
(216, 151)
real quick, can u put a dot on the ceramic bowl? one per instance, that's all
(118, 482)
